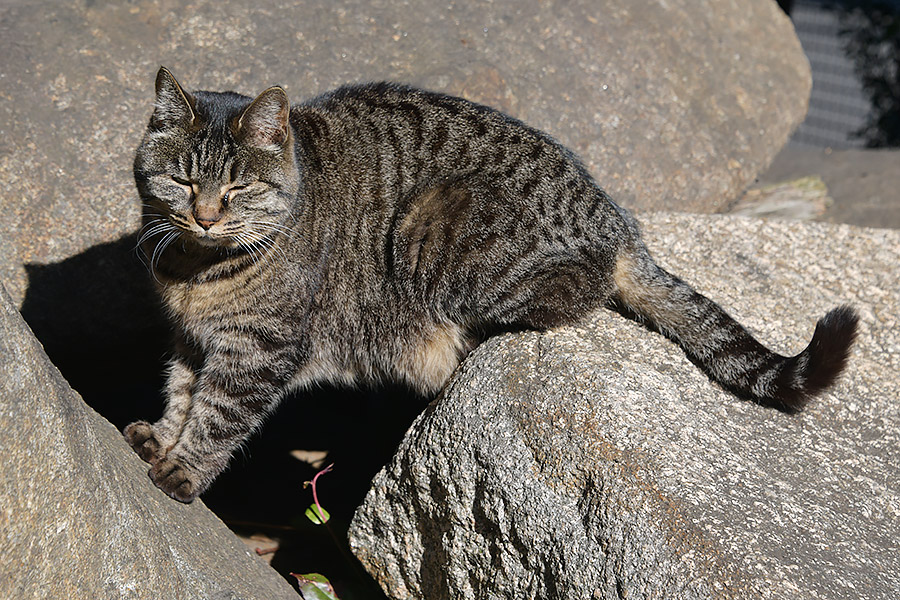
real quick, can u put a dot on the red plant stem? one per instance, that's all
(315, 495)
(362, 575)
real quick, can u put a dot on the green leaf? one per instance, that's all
(315, 587)
(316, 515)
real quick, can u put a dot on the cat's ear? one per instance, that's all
(264, 124)
(174, 106)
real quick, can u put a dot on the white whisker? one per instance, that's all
(273, 227)
(273, 248)
(150, 229)
(247, 246)
(156, 229)
(170, 237)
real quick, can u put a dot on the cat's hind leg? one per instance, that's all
(559, 291)
(546, 290)
(492, 259)
(432, 355)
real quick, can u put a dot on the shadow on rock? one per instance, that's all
(99, 320)
(97, 316)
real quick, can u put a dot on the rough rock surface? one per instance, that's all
(862, 184)
(801, 199)
(79, 518)
(597, 462)
(673, 104)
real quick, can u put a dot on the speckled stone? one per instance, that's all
(596, 461)
(79, 518)
(673, 104)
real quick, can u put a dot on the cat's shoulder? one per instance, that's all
(386, 94)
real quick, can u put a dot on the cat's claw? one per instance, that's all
(174, 479)
(142, 439)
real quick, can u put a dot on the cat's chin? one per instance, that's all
(207, 241)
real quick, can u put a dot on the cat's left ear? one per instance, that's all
(264, 124)
(174, 106)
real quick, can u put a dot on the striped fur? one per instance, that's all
(722, 347)
(377, 233)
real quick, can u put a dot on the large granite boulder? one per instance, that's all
(671, 104)
(80, 518)
(674, 105)
(597, 462)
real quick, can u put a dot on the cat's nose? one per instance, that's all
(206, 223)
(207, 218)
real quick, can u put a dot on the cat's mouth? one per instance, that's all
(225, 234)
(214, 239)
(210, 235)
(204, 239)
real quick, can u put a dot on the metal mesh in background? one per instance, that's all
(838, 106)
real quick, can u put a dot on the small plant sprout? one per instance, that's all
(315, 512)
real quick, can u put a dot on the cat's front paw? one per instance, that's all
(141, 437)
(167, 472)
(175, 479)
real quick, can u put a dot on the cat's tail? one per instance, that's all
(722, 347)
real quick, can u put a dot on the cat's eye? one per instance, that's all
(180, 180)
(226, 197)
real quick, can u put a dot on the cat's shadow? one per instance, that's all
(97, 315)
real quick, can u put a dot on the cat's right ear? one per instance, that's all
(265, 122)
(174, 106)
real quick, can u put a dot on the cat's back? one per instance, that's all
(383, 142)
(409, 119)
(360, 100)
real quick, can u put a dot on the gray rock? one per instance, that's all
(79, 518)
(862, 183)
(595, 461)
(673, 104)
(799, 199)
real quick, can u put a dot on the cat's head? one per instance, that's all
(216, 169)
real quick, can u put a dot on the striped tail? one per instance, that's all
(722, 347)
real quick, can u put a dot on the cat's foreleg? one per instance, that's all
(209, 413)
(152, 442)
(224, 410)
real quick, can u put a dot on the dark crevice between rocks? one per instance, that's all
(97, 316)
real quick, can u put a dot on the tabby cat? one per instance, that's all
(380, 232)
